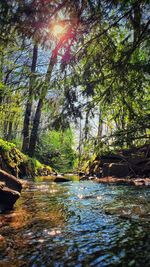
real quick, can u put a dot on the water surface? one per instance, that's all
(77, 224)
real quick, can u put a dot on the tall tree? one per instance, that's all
(64, 42)
(26, 125)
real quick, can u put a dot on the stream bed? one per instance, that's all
(77, 224)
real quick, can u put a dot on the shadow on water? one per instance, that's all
(77, 224)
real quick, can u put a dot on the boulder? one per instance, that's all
(61, 179)
(11, 181)
(116, 169)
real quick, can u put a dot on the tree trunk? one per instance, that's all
(34, 132)
(80, 144)
(15, 130)
(100, 127)
(137, 21)
(86, 127)
(5, 129)
(1, 75)
(26, 125)
(9, 135)
(36, 122)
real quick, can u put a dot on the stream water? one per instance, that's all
(77, 224)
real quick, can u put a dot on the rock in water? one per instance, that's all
(61, 179)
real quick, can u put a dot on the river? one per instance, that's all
(77, 224)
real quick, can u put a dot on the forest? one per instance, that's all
(74, 133)
(74, 78)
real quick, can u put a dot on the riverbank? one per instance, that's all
(13, 166)
(127, 163)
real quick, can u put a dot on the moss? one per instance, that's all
(6, 146)
(15, 162)
(49, 168)
(34, 164)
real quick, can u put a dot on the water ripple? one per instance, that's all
(77, 224)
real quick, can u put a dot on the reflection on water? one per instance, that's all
(77, 224)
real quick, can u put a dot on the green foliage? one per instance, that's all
(113, 72)
(37, 167)
(104, 69)
(55, 148)
(6, 146)
(34, 163)
(20, 164)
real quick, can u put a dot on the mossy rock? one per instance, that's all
(13, 161)
(6, 146)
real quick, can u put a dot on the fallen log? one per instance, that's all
(11, 181)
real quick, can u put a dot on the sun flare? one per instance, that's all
(58, 29)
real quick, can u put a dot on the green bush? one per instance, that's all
(55, 148)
